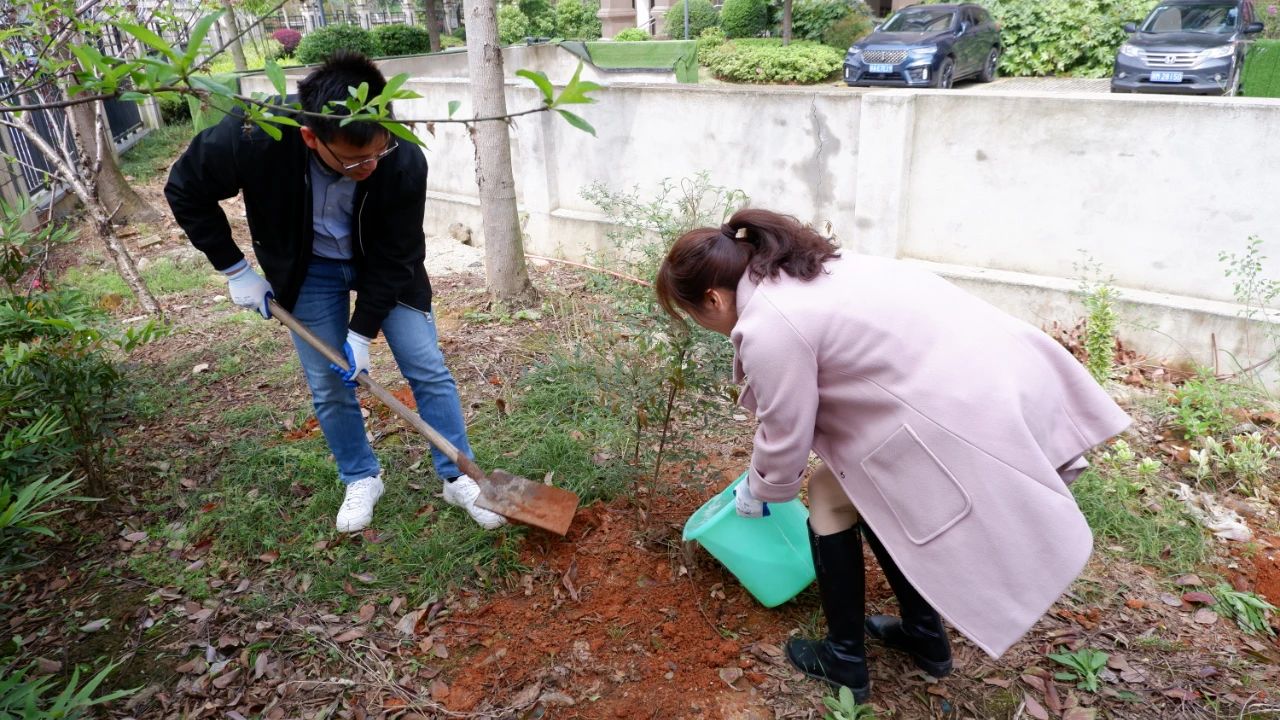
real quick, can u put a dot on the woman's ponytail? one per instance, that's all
(758, 242)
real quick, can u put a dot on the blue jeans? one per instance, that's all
(324, 306)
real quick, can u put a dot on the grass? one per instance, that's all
(164, 277)
(269, 503)
(1158, 535)
(155, 152)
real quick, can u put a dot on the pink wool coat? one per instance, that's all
(953, 427)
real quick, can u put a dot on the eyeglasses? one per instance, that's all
(368, 162)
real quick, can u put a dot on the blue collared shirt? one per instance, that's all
(332, 203)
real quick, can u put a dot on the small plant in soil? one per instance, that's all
(844, 707)
(1083, 667)
(1100, 325)
(1248, 610)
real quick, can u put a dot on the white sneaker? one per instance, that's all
(357, 506)
(463, 493)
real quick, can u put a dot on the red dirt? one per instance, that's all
(1266, 565)
(613, 617)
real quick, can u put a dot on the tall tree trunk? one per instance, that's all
(505, 271)
(93, 136)
(233, 32)
(786, 22)
(430, 10)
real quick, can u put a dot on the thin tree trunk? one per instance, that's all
(114, 191)
(429, 10)
(505, 271)
(786, 22)
(233, 32)
(81, 179)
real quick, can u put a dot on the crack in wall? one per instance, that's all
(820, 159)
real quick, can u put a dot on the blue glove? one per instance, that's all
(356, 348)
(748, 506)
(248, 289)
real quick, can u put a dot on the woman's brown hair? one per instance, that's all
(759, 242)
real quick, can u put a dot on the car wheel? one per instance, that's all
(946, 74)
(991, 69)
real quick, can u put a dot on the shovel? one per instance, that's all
(514, 498)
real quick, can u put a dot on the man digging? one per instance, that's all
(333, 209)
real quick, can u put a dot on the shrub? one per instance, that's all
(542, 17)
(60, 398)
(320, 43)
(174, 109)
(460, 32)
(742, 18)
(810, 19)
(702, 15)
(513, 26)
(847, 31)
(801, 62)
(450, 41)
(631, 35)
(402, 40)
(1269, 14)
(708, 40)
(288, 40)
(576, 20)
(1063, 37)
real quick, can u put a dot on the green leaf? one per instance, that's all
(453, 106)
(270, 129)
(1065, 676)
(575, 93)
(150, 38)
(133, 96)
(578, 122)
(90, 59)
(402, 132)
(276, 75)
(540, 79)
(393, 85)
(198, 33)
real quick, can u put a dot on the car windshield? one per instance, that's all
(919, 20)
(1205, 18)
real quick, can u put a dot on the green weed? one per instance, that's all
(844, 707)
(1246, 608)
(1083, 667)
(1114, 498)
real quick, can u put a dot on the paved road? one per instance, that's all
(1046, 84)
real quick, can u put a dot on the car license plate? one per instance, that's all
(881, 68)
(1166, 77)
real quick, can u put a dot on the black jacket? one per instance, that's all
(387, 238)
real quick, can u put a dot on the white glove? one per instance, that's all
(248, 289)
(356, 348)
(748, 506)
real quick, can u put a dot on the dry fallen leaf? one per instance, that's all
(730, 675)
(409, 623)
(1205, 616)
(269, 556)
(1186, 580)
(366, 578)
(95, 626)
(349, 635)
(199, 368)
(1034, 709)
(1199, 598)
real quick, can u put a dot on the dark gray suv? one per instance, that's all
(1187, 46)
(926, 46)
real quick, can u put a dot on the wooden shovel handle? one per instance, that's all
(399, 408)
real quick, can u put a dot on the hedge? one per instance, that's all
(317, 45)
(741, 18)
(768, 61)
(1262, 69)
(702, 15)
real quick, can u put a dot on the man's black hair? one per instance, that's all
(344, 69)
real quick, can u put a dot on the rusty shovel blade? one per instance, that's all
(528, 502)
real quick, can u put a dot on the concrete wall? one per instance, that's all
(1004, 193)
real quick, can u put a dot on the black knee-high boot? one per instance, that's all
(840, 658)
(920, 632)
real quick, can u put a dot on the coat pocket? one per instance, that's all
(923, 495)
